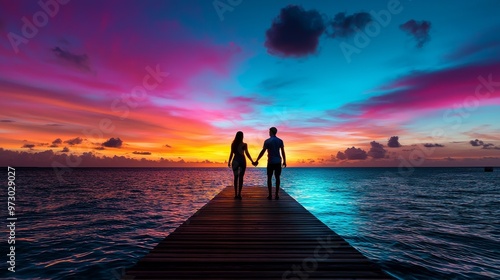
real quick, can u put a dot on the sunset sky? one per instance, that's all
(347, 83)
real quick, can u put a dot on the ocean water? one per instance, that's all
(435, 223)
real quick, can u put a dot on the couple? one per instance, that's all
(273, 145)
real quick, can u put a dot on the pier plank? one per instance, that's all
(254, 238)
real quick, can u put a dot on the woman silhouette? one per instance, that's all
(239, 163)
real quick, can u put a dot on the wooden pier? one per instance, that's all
(254, 238)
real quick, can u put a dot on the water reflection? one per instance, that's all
(327, 195)
(438, 223)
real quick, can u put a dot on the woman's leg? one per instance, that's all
(242, 173)
(235, 183)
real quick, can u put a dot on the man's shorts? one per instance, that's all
(274, 167)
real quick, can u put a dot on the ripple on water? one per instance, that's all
(435, 224)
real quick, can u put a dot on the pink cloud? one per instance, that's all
(42, 86)
(482, 43)
(409, 96)
(246, 104)
(116, 46)
(49, 158)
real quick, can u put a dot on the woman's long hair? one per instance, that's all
(238, 139)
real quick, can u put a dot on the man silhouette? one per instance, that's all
(273, 145)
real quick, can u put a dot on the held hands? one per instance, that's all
(255, 163)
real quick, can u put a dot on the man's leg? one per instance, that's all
(278, 181)
(269, 180)
(270, 184)
(277, 174)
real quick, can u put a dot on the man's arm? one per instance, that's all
(283, 155)
(261, 154)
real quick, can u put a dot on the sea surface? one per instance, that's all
(431, 223)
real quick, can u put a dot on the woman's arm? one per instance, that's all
(230, 158)
(247, 153)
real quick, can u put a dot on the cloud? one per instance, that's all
(355, 153)
(113, 143)
(483, 131)
(245, 104)
(56, 143)
(418, 29)
(481, 44)
(377, 150)
(168, 146)
(435, 145)
(99, 148)
(87, 159)
(141, 153)
(65, 150)
(393, 142)
(199, 63)
(79, 61)
(407, 97)
(346, 26)
(490, 146)
(335, 158)
(276, 83)
(7, 121)
(29, 146)
(486, 146)
(74, 141)
(476, 143)
(341, 155)
(295, 32)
